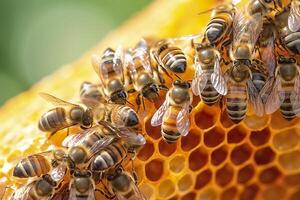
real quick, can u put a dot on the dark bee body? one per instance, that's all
(209, 94)
(90, 94)
(291, 40)
(172, 58)
(286, 107)
(109, 157)
(259, 74)
(35, 165)
(219, 28)
(109, 68)
(54, 120)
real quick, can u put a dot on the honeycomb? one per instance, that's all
(256, 159)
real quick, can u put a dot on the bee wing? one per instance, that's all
(268, 56)
(55, 101)
(22, 193)
(159, 114)
(294, 16)
(254, 27)
(72, 194)
(200, 80)
(58, 173)
(275, 98)
(239, 25)
(217, 79)
(295, 97)
(119, 61)
(91, 194)
(183, 120)
(78, 138)
(100, 144)
(255, 99)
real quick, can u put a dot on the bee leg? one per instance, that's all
(138, 102)
(190, 108)
(177, 76)
(51, 135)
(143, 101)
(131, 91)
(163, 87)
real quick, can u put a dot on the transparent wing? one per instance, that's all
(72, 194)
(118, 60)
(78, 138)
(91, 194)
(183, 120)
(254, 28)
(58, 173)
(142, 55)
(22, 193)
(239, 25)
(159, 114)
(268, 56)
(294, 16)
(295, 97)
(97, 65)
(100, 144)
(93, 97)
(255, 99)
(275, 98)
(55, 101)
(267, 89)
(217, 79)
(200, 79)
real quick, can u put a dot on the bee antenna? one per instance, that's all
(205, 11)
(129, 103)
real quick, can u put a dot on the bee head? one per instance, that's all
(119, 97)
(150, 91)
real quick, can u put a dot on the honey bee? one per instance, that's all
(294, 16)
(173, 114)
(169, 57)
(113, 155)
(122, 186)
(208, 81)
(90, 94)
(38, 164)
(41, 188)
(259, 74)
(141, 73)
(64, 116)
(109, 68)
(267, 7)
(118, 115)
(82, 186)
(284, 87)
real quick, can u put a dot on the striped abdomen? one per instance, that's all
(124, 116)
(209, 95)
(236, 102)
(259, 80)
(110, 68)
(109, 157)
(174, 59)
(286, 108)
(35, 165)
(292, 42)
(169, 129)
(218, 27)
(53, 120)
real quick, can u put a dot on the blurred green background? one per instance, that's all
(38, 36)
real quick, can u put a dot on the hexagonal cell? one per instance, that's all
(275, 192)
(166, 149)
(205, 119)
(214, 137)
(153, 132)
(191, 140)
(287, 139)
(185, 182)
(189, 196)
(290, 161)
(277, 121)
(264, 156)
(224, 175)
(293, 179)
(269, 175)
(203, 178)
(198, 159)
(147, 190)
(254, 122)
(146, 152)
(166, 188)
(225, 120)
(295, 195)
(241, 154)
(258, 138)
(245, 174)
(174, 198)
(177, 164)
(154, 169)
(249, 192)
(219, 155)
(229, 193)
(208, 194)
(236, 135)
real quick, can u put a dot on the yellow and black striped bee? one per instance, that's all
(65, 115)
(208, 80)
(109, 68)
(259, 74)
(128, 143)
(173, 115)
(268, 8)
(169, 57)
(283, 90)
(141, 74)
(41, 188)
(91, 94)
(38, 164)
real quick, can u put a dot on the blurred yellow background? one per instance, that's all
(37, 36)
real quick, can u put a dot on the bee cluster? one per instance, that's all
(245, 60)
